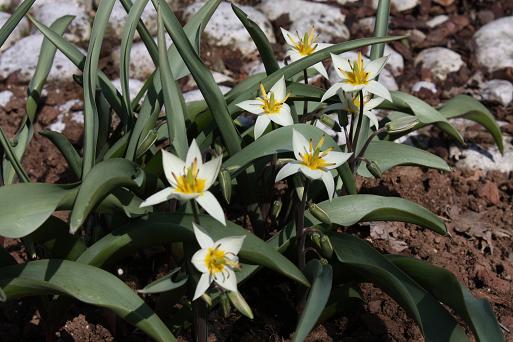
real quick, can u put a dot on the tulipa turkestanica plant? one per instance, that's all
(156, 171)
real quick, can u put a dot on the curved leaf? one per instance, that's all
(469, 108)
(350, 209)
(321, 277)
(66, 148)
(26, 206)
(101, 181)
(164, 283)
(86, 283)
(444, 286)
(389, 154)
(361, 261)
(157, 229)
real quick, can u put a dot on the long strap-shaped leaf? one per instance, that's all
(204, 79)
(14, 19)
(66, 148)
(86, 283)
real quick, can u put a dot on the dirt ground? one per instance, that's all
(477, 206)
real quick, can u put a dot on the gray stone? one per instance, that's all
(487, 160)
(21, 30)
(395, 61)
(78, 31)
(22, 57)
(438, 20)
(500, 91)
(5, 97)
(494, 43)
(440, 61)
(134, 86)
(225, 30)
(196, 95)
(141, 65)
(328, 20)
(399, 5)
(118, 18)
(424, 85)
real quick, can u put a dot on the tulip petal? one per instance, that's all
(341, 65)
(336, 158)
(294, 55)
(231, 244)
(379, 89)
(331, 91)
(210, 170)
(373, 103)
(159, 197)
(299, 144)
(203, 285)
(279, 89)
(328, 181)
(184, 196)
(308, 172)
(321, 69)
(287, 170)
(372, 117)
(203, 239)
(351, 88)
(172, 164)
(194, 153)
(251, 106)
(289, 37)
(227, 279)
(261, 124)
(283, 118)
(374, 67)
(211, 205)
(198, 259)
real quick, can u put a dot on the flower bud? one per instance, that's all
(401, 124)
(328, 121)
(326, 247)
(316, 239)
(146, 143)
(373, 168)
(225, 182)
(240, 304)
(207, 299)
(276, 209)
(319, 213)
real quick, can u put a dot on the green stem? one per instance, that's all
(300, 227)
(305, 104)
(16, 164)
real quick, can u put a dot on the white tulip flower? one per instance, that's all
(351, 103)
(190, 180)
(217, 261)
(269, 107)
(358, 75)
(304, 46)
(312, 162)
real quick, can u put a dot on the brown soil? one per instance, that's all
(477, 206)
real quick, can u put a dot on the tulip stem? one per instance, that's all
(305, 103)
(300, 227)
(367, 143)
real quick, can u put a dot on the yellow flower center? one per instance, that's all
(314, 157)
(270, 105)
(189, 183)
(306, 45)
(357, 75)
(356, 103)
(215, 260)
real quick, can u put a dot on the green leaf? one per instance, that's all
(321, 277)
(262, 43)
(86, 283)
(105, 177)
(164, 284)
(361, 262)
(90, 79)
(351, 209)
(26, 206)
(14, 19)
(12, 159)
(66, 148)
(157, 229)
(471, 109)
(204, 79)
(445, 287)
(389, 154)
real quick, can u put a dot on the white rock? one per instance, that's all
(440, 61)
(118, 17)
(141, 65)
(500, 91)
(438, 20)
(399, 5)
(424, 85)
(494, 43)
(86, 4)
(385, 78)
(78, 31)
(21, 30)
(5, 97)
(395, 61)
(328, 20)
(134, 86)
(225, 29)
(367, 24)
(487, 160)
(343, 2)
(22, 58)
(257, 67)
(195, 95)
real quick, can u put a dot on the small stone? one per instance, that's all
(438, 20)
(440, 61)
(399, 5)
(196, 95)
(225, 30)
(494, 43)
(500, 91)
(21, 30)
(22, 57)
(134, 86)
(118, 18)
(395, 61)
(490, 192)
(487, 160)
(78, 31)
(141, 65)
(444, 3)
(417, 36)
(5, 97)
(424, 85)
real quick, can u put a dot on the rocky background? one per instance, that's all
(453, 47)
